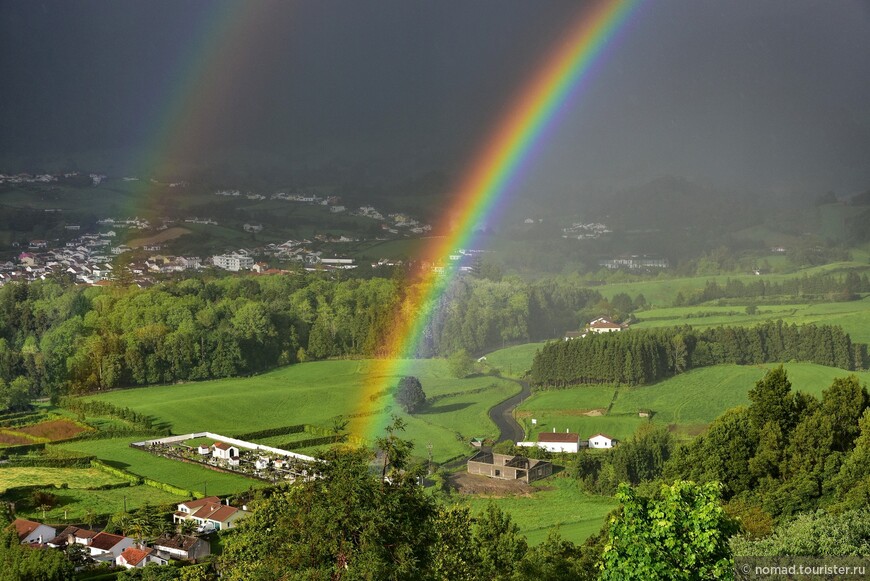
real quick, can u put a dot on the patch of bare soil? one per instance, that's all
(166, 235)
(465, 483)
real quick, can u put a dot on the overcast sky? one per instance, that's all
(767, 95)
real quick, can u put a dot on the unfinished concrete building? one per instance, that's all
(508, 467)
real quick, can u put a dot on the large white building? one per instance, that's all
(233, 262)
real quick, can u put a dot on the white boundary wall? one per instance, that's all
(233, 441)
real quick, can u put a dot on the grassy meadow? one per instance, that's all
(557, 502)
(315, 393)
(73, 477)
(74, 504)
(118, 453)
(686, 402)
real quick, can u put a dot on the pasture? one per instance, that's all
(687, 402)
(514, 361)
(660, 292)
(557, 502)
(118, 453)
(316, 393)
(75, 504)
(72, 477)
(852, 316)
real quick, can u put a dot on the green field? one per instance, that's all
(688, 401)
(73, 504)
(315, 393)
(514, 361)
(73, 477)
(118, 453)
(852, 316)
(557, 502)
(660, 292)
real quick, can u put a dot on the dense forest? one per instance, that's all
(638, 357)
(58, 339)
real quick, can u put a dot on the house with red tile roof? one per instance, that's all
(208, 514)
(32, 532)
(601, 441)
(72, 535)
(605, 325)
(106, 546)
(138, 557)
(182, 547)
(556, 442)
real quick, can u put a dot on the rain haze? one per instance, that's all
(755, 96)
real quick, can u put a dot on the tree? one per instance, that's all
(409, 394)
(681, 534)
(772, 400)
(498, 542)
(461, 364)
(346, 524)
(15, 396)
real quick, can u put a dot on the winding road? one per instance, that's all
(501, 413)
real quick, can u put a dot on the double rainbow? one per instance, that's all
(499, 162)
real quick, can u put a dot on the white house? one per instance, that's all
(33, 532)
(556, 442)
(107, 547)
(137, 558)
(605, 325)
(223, 451)
(182, 547)
(208, 514)
(203, 450)
(601, 441)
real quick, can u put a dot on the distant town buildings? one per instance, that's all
(233, 262)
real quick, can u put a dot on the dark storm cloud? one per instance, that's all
(753, 94)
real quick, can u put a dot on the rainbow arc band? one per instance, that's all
(499, 162)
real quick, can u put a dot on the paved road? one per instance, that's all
(501, 414)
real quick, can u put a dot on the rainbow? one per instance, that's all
(491, 174)
(220, 47)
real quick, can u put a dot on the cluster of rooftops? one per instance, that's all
(207, 515)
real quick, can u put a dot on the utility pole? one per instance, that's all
(429, 447)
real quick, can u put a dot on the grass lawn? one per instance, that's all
(560, 502)
(514, 361)
(661, 292)
(688, 401)
(852, 316)
(73, 477)
(118, 453)
(699, 396)
(314, 393)
(73, 504)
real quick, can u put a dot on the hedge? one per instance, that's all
(172, 489)
(22, 449)
(123, 474)
(309, 442)
(27, 461)
(282, 431)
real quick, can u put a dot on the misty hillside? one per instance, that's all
(675, 203)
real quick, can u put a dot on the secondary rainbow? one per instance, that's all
(499, 162)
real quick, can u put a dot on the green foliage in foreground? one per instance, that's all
(681, 534)
(24, 563)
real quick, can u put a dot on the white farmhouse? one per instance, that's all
(601, 441)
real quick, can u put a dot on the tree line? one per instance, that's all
(807, 287)
(638, 357)
(62, 338)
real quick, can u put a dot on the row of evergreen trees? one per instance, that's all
(847, 287)
(639, 357)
